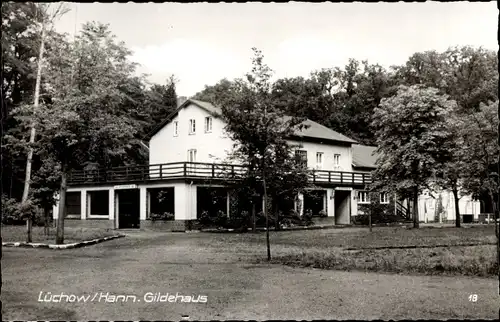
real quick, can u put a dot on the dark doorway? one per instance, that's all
(128, 208)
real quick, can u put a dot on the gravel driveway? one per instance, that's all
(235, 288)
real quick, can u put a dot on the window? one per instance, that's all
(176, 128)
(192, 126)
(363, 197)
(319, 160)
(384, 198)
(301, 157)
(208, 124)
(192, 155)
(336, 160)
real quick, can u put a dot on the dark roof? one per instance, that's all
(314, 130)
(363, 156)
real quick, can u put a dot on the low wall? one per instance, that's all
(169, 225)
(88, 223)
(324, 220)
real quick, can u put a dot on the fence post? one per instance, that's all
(161, 171)
(185, 168)
(314, 176)
(232, 171)
(342, 177)
(329, 176)
(213, 170)
(353, 178)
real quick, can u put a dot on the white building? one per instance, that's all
(188, 152)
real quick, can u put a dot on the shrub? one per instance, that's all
(163, 216)
(14, 213)
(240, 221)
(205, 220)
(221, 219)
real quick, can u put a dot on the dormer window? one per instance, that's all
(176, 128)
(192, 126)
(208, 124)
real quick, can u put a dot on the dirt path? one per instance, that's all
(236, 289)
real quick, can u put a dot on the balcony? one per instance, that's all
(195, 170)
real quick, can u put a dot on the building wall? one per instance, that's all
(427, 207)
(164, 147)
(328, 150)
(211, 147)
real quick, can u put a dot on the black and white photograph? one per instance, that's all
(250, 161)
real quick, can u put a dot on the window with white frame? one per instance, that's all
(319, 160)
(192, 155)
(336, 160)
(363, 197)
(384, 198)
(192, 126)
(208, 124)
(176, 128)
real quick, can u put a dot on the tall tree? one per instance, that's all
(47, 19)
(411, 135)
(216, 94)
(84, 122)
(259, 127)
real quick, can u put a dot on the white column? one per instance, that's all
(83, 204)
(330, 202)
(148, 203)
(185, 200)
(142, 201)
(325, 200)
(55, 208)
(111, 203)
(117, 210)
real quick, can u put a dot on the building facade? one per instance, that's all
(189, 153)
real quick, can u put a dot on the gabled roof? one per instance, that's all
(363, 156)
(204, 105)
(314, 130)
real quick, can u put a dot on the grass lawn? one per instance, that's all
(327, 249)
(71, 234)
(237, 287)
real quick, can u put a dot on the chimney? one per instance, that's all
(181, 100)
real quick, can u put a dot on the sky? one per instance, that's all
(201, 43)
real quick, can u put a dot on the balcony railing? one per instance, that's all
(187, 170)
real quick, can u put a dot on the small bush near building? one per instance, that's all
(162, 216)
(14, 213)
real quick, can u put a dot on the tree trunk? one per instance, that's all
(266, 214)
(415, 208)
(370, 219)
(497, 231)
(62, 208)
(32, 134)
(46, 214)
(254, 227)
(457, 209)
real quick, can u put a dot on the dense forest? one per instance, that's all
(93, 109)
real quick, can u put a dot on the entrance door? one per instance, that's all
(128, 208)
(342, 207)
